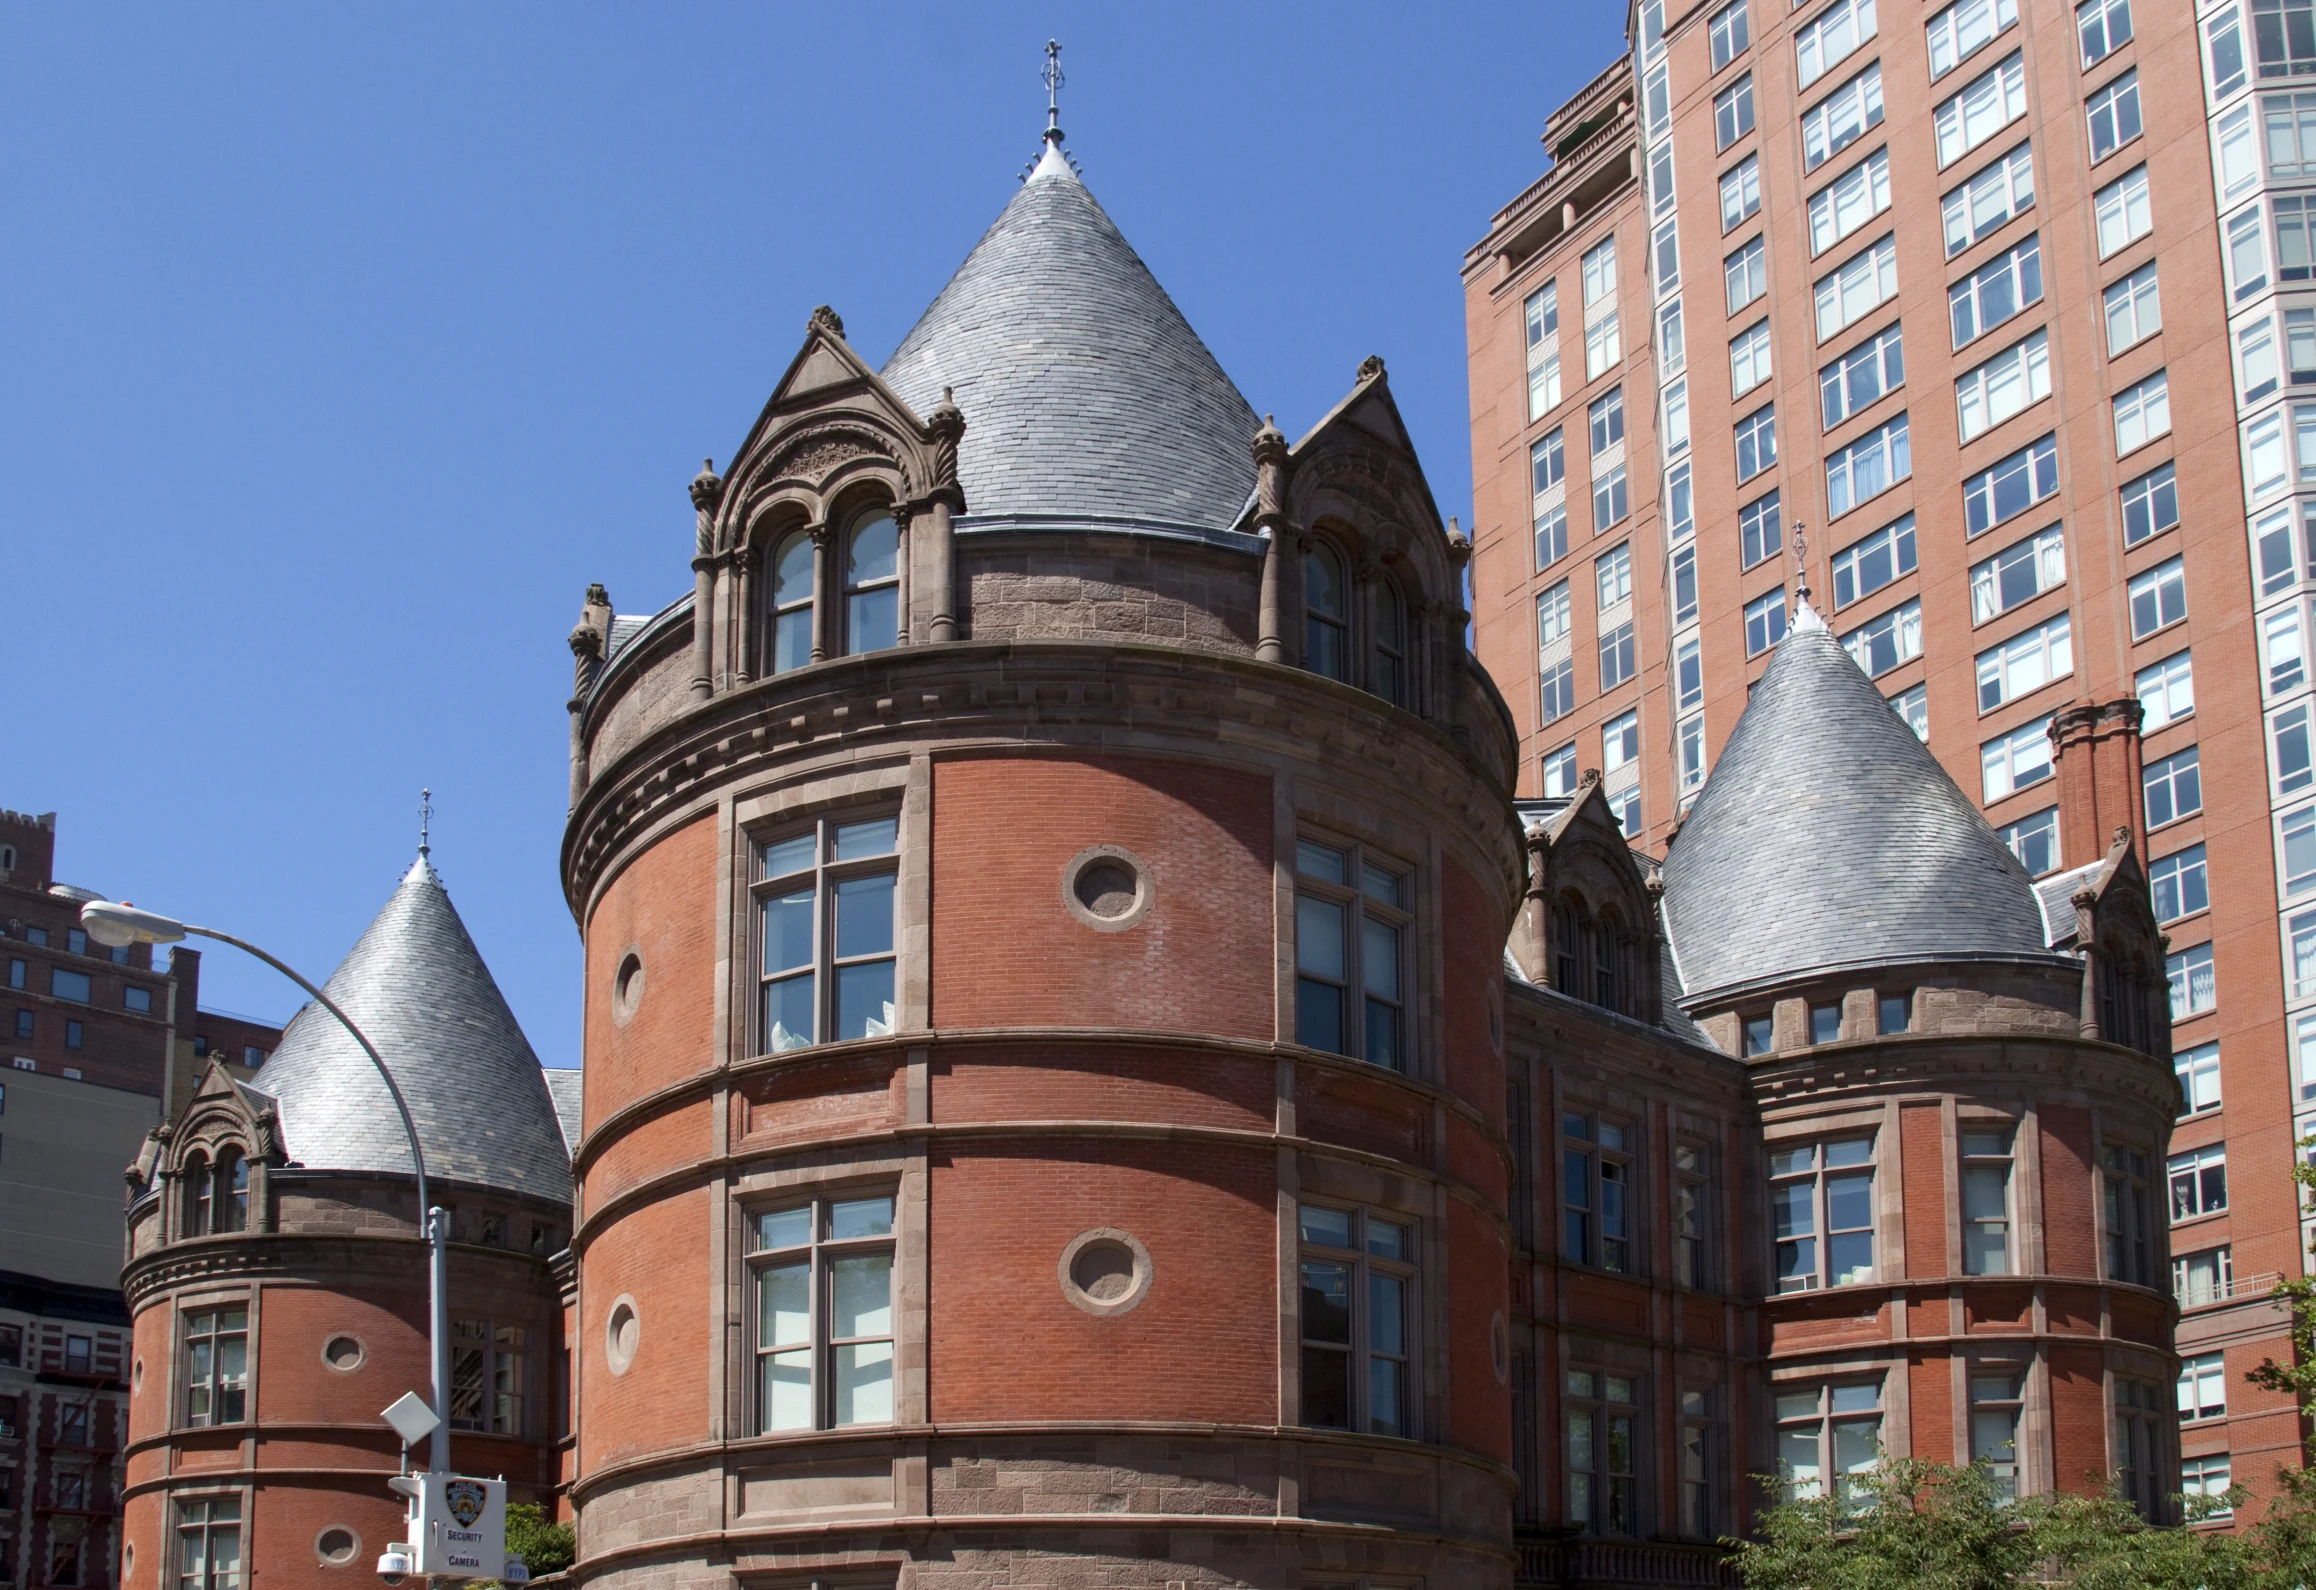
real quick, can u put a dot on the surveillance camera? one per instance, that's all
(394, 1566)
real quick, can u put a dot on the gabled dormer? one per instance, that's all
(201, 1163)
(1588, 926)
(2125, 997)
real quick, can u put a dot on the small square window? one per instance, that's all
(1760, 1034)
(1892, 1013)
(1825, 1023)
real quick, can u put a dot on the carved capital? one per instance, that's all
(707, 495)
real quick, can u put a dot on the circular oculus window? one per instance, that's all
(344, 1353)
(1105, 1271)
(1107, 887)
(337, 1546)
(627, 987)
(622, 1333)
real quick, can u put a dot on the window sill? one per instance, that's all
(2159, 631)
(2127, 145)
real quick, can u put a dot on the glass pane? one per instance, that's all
(864, 1000)
(1319, 937)
(784, 1305)
(1327, 1388)
(1329, 1228)
(1580, 1454)
(1377, 884)
(1792, 1209)
(1791, 1161)
(1849, 1202)
(792, 571)
(788, 931)
(1796, 1264)
(1859, 1151)
(872, 620)
(1327, 1303)
(1386, 1330)
(1379, 959)
(785, 1396)
(864, 916)
(861, 1289)
(1319, 1015)
(1388, 1241)
(1852, 1257)
(784, 1228)
(879, 836)
(1383, 1033)
(1985, 1192)
(792, 640)
(1321, 861)
(790, 855)
(1580, 1382)
(1797, 1405)
(1857, 1445)
(1985, 1250)
(1385, 1380)
(1983, 1143)
(864, 1383)
(872, 555)
(788, 1013)
(1857, 1398)
(860, 1217)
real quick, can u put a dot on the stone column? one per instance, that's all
(744, 560)
(824, 591)
(1532, 944)
(904, 553)
(2085, 902)
(943, 503)
(707, 495)
(1270, 457)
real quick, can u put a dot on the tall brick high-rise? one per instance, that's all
(1990, 317)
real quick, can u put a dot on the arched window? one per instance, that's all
(232, 1191)
(792, 602)
(200, 1197)
(1607, 954)
(1387, 671)
(1326, 630)
(872, 584)
(7, 858)
(1566, 966)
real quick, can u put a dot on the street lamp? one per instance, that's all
(115, 925)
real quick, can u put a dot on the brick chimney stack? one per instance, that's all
(2095, 752)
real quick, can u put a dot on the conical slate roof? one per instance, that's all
(416, 986)
(1086, 395)
(1828, 836)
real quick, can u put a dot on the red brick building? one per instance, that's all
(1990, 307)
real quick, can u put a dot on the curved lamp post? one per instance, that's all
(115, 925)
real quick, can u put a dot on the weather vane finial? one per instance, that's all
(1801, 560)
(425, 821)
(1053, 80)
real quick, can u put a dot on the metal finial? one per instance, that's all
(425, 821)
(1053, 80)
(1801, 559)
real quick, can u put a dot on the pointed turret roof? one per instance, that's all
(1828, 836)
(1087, 397)
(416, 985)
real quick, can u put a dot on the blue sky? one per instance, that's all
(341, 347)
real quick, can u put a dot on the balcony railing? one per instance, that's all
(1580, 1564)
(2227, 1289)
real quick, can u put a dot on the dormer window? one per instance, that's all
(1326, 616)
(200, 1197)
(872, 584)
(1387, 669)
(792, 603)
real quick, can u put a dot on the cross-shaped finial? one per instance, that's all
(1801, 559)
(425, 820)
(1053, 80)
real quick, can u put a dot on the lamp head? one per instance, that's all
(113, 924)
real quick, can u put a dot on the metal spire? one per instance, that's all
(1053, 80)
(425, 821)
(1804, 615)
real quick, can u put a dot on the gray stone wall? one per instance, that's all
(1069, 585)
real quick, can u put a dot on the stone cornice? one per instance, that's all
(275, 1256)
(1936, 1064)
(1033, 695)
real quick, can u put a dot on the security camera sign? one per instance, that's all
(462, 1531)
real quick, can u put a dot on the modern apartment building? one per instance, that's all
(1981, 317)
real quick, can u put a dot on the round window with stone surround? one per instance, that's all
(344, 1353)
(1105, 1271)
(1107, 887)
(627, 987)
(622, 1333)
(337, 1546)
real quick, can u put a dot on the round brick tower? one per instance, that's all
(1044, 894)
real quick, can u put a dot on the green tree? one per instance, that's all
(545, 1546)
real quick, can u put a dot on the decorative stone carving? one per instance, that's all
(1371, 367)
(817, 457)
(947, 425)
(707, 495)
(825, 319)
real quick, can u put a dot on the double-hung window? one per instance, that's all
(1351, 932)
(1760, 530)
(2174, 787)
(1860, 285)
(1997, 290)
(2199, 1181)
(2103, 27)
(2198, 1070)
(2018, 573)
(2192, 981)
(1764, 622)
(1596, 1178)
(1880, 644)
(2203, 1387)
(2139, 1420)
(825, 902)
(1821, 1198)
(2283, 647)
(1867, 467)
(823, 1276)
(2034, 839)
(2125, 1212)
(1692, 1198)
(1981, 108)
(1697, 1446)
(1749, 355)
(1542, 313)
(2166, 691)
(2011, 762)
(1603, 1464)
(2142, 413)
(1997, 1400)
(2200, 1278)
(1358, 1316)
(2180, 884)
(1756, 442)
(1603, 345)
(1986, 1217)
(1992, 199)
(2150, 505)
(2113, 114)
(1552, 617)
(1745, 274)
(487, 1381)
(1963, 29)
(1733, 112)
(208, 1544)
(1828, 38)
(2123, 212)
(217, 1366)
(1849, 201)
(1864, 375)
(1828, 1431)
(1616, 655)
(1740, 192)
(2158, 597)
(2006, 384)
(1841, 118)
(1730, 34)
(1865, 566)
(2134, 310)
(2284, 37)
(2010, 485)
(2025, 662)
